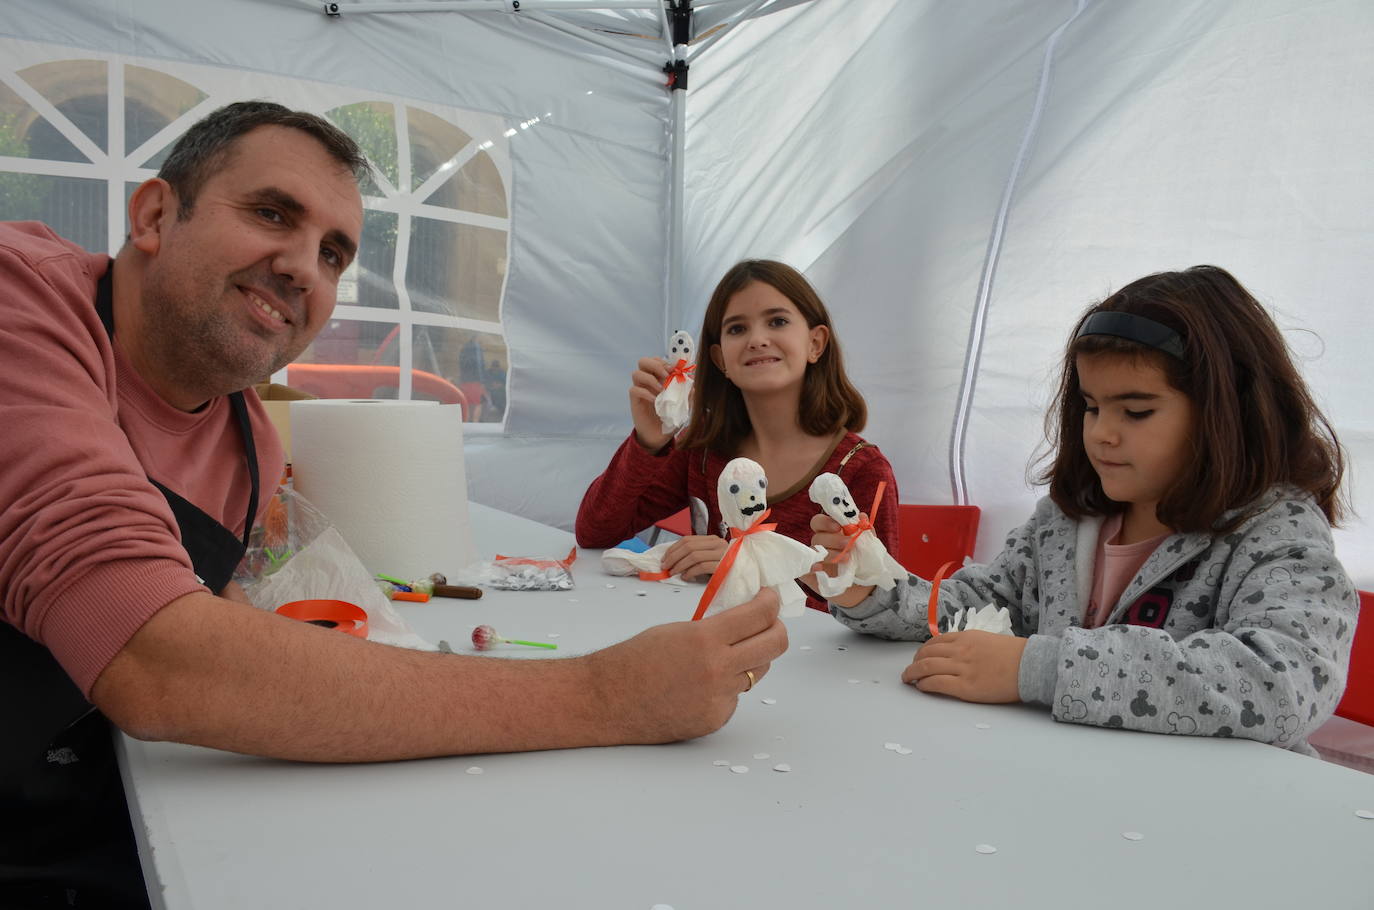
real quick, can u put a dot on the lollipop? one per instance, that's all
(484, 638)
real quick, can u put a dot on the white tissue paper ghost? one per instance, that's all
(986, 619)
(869, 563)
(763, 559)
(674, 404)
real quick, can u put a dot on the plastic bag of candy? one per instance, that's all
(525, 573)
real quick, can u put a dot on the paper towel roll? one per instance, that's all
(390, 476)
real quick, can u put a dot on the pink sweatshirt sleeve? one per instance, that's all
(88, 547)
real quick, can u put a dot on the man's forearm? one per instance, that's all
(216, 673)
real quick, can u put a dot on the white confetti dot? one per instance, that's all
(1364, 813)
(609, 585)
(778, 737)
(983, 726)
(806, 647)
(554, 635)
(760, 755)
(740, 769)
(572, 600)
(641, 594)
(892, 747)
(986, 848)
(783, 766)
(902, 750)
(1132, 835)
(661, 907)
(852, 681)
(770, 701)
(474, 770)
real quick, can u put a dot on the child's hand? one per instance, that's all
(972, 666)
(695, 557)
(829, 536)
(645, 384)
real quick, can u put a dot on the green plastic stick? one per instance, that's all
(394, 581)
(532, 644)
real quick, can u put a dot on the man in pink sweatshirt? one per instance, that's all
(134, 467)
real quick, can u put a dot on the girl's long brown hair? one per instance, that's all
(829, 401)
(1256, 423)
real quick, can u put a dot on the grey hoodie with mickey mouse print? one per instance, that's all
(1244, 634)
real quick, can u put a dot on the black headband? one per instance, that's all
(1134, 328)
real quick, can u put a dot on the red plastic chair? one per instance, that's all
(679, 523)
(934, 535)
(1358, 702)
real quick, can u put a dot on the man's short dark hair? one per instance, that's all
(208, 144)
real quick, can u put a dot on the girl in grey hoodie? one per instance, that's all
(1180, 575)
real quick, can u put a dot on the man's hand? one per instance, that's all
(645, 384)
(695, 557)
(829, 535)
(684, 679)
(972, 666)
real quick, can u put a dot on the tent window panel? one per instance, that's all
(477, 187)
(72, 206)
(18, 123)
(77, 88)
(371, 124)
(151, 101)
(433, 142)
(473, 362)
(456, 269)
(368, 280)
(349, 359)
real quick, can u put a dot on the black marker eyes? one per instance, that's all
(836, 500)
(763, 482)
(734, 488)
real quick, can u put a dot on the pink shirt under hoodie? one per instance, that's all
(89, 549)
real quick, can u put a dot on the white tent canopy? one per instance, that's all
(958, 179)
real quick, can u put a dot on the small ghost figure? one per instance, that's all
(869, 563)
(763, 558)
(984, 619)
(674, 404)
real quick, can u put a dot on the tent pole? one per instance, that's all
(680, 15)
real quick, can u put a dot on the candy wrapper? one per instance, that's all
(674, 404)
(523, 573)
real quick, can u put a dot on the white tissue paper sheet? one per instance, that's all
(765, 559)
(984, 619)
(389, 475)
(619, 561)
(869, 563)
(674, 404)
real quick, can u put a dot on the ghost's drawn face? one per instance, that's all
(681, 347)
(742, 491)
(830, 493)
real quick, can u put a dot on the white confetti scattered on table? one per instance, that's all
(983, 726)
(1364, 813)
(572, 600)
(721, 763)
(641, 594)
(1132, 835)
(554, 635)
(902, 750)
(609, 585)
(806, 647)
(852, 681)
(892, 747)
(986, 848)
(740, 769)
(783, 766)
(760, 755)
(474, 770)
(770, 701)
(661, 907)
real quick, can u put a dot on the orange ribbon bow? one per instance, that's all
(679, 372)
(718, 576)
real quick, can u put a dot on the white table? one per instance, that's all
(1226, 823)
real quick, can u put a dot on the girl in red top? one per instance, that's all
(771, 387)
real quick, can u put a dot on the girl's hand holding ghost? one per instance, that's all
(829, 535)
(695, 557)
(645, 384)
(972, 666)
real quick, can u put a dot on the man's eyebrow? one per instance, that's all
(288, 203)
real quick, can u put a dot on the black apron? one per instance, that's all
(65, 836)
